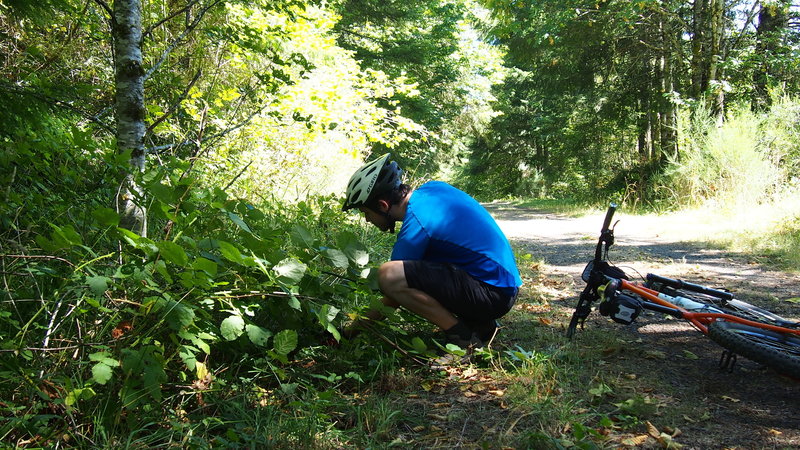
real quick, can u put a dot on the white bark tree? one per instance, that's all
(129, 105)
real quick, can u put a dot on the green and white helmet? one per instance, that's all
(375, 178)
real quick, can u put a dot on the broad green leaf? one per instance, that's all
(67, 233)
(360, 257)
(101, 373)
(206, 265)
(327, 313)
(161, 268)
(98, 284)
(104, 357)
(239, 222)
(285, 341)
(230, 252)
(188, 354)
(178, 314)
(290, 270)
(337, 258)
(419, 344)
(793, 300)
(106, 217)
(173, 253)
(258, 335)
(232, 327)
(302, 237)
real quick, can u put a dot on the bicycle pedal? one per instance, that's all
(727, 361)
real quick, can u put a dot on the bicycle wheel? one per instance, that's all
(779, 351)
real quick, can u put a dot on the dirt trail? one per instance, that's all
(750, 407)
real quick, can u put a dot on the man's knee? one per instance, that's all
(391, 275)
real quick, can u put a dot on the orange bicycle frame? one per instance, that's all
(700, 320)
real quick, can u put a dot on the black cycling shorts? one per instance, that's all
(460, 293)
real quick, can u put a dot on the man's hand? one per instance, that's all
(355, 328)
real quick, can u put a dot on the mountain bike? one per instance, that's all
(741, 328)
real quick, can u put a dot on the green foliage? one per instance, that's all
(222, 280)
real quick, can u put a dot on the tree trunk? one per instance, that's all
(698, 44)
(714, 57)
(669, 138)
(130, 112)
(773, 19)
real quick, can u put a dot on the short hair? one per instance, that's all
(393, 197)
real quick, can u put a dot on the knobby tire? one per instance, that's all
(778, 351)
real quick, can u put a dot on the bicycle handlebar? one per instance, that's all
(609, 215)
(606, 233)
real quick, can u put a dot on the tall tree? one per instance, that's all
(771, 47)
(129, 73)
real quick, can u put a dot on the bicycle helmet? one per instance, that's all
(375, 178)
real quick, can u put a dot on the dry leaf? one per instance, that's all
(635, 441)
(652, 430)
(775, 432)
(470, 372)
(470, 394)
(545, 321)
(124, 327)
(730, 399)
(497, 392)
(478, 387)
(418, 428)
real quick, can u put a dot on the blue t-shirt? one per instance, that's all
(444, 224)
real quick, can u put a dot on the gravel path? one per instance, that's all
(747, 408)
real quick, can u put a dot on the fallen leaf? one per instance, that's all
(689, 355)
(418, 428)
(123, 327)
(655, 354)
(497, 392)
(730, 399)
(545, 321)
(469, 373)
(652, 430)
(793, 300)
(470, 394)
(635, 441)
(775, 432)
(478, 387)
(441, 405)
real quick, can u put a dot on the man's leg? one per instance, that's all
(393, 284)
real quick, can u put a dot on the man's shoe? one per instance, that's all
(467, 344)
(485, 331)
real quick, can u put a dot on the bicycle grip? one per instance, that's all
(609, 215)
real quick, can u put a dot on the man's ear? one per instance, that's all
(383, 206)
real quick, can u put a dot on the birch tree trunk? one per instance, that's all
(129, 104)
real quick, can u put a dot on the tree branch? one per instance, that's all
(222, 133)
(56, 102)
(175, 42)
(177, 103)
(168, 18)
(105, 6)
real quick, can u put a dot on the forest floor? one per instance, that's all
(658, 379)
(750, 407)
